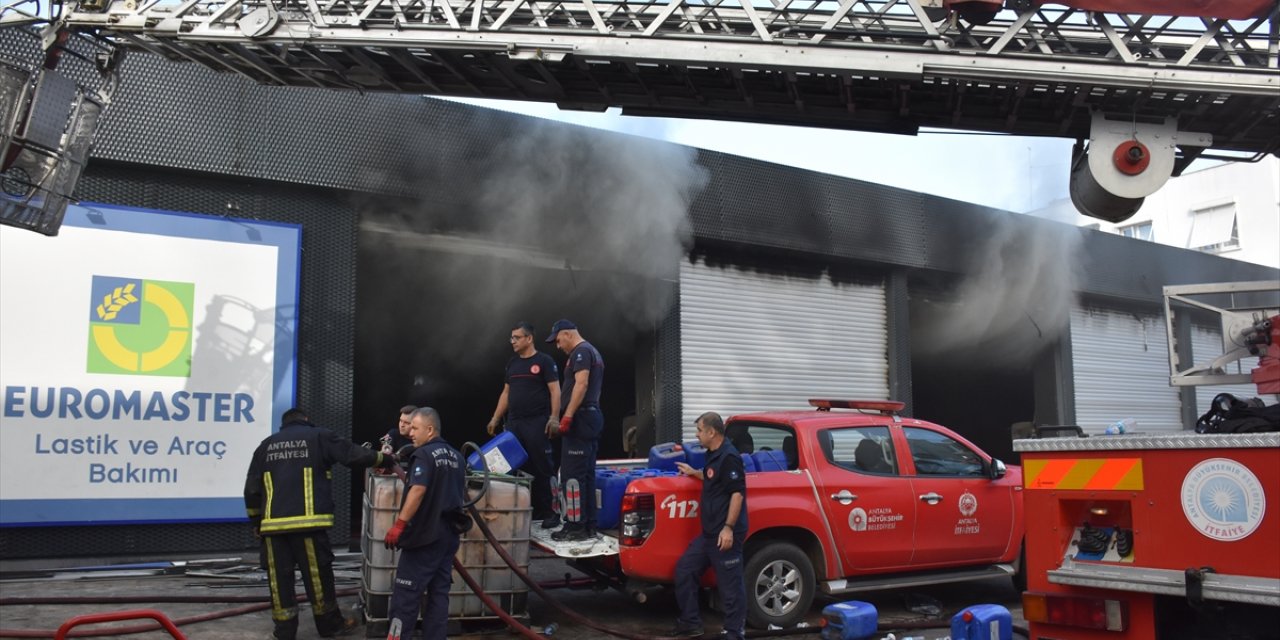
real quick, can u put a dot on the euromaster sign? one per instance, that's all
(143, 357)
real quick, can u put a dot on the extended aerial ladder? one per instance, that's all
(1148, 93)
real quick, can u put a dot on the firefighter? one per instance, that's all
(724, 528)
(580, 424)
(288, 495)
(427, 531)
(531, 401)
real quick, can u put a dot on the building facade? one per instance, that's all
(708, 281)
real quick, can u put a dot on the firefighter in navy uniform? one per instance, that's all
(426, 530)
(288, 495)
(724, 528)
(531, 401)
(580, 425)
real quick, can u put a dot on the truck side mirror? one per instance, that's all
(997, 469)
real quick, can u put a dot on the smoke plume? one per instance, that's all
(1016, 297)
(544, 221)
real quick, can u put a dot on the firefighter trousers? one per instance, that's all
(310, 552)
(701, 553)
(578, 462)
(532, 434)
(422, 570)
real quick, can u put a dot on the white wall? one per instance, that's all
(1254, 188)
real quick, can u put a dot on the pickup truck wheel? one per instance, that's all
(780, 585)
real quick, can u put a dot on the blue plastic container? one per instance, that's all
(770, 460)
(695, 454)
(748, 463)
(852, 620)
(503, 454)
(611, 486)
(982, 622)
(664, 457)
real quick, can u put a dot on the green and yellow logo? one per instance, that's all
(140, 327)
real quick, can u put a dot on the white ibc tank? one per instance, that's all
(506, 510)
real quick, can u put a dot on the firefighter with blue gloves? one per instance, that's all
(427, 531)
(288, 494)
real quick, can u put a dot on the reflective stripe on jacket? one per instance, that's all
(289, 486)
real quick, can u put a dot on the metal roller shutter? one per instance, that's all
(1206, 344)
(754, 341)
(1121, 370)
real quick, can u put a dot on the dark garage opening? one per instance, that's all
(433, 319)
(978, 390)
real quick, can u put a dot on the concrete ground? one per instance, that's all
(220, 579)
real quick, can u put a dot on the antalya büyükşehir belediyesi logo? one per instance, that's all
(140, 327)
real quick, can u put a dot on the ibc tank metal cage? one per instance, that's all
(505, 508)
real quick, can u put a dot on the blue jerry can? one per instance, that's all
(852, 620)
(503, 454)
(665, 456)
(982, 622)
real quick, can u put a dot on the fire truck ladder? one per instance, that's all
(879, 65)
(1153, 92)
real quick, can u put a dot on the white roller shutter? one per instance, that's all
(1206, 344)
(1121, 370)
(754, 341)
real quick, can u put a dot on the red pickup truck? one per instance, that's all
(867, 500)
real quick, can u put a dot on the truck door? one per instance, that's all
(867, 501)
(963, 517)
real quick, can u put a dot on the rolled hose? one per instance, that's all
(139, 628)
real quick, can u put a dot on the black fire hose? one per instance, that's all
(484, 468)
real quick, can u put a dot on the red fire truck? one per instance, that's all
(1136, 537)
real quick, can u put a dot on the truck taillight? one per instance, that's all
(1075, 611)
(637, 519)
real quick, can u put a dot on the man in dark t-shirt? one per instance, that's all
(398, 436)
(531, 402)
(580, 424)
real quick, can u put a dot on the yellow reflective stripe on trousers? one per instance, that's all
(296, 523)
(313, 570)
(277, 611)
(309, 498)
(270, 489)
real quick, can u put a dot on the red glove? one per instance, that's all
(393, 534)
(565, 423)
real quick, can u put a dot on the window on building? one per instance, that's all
(1141, 231)
(1214, 229)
